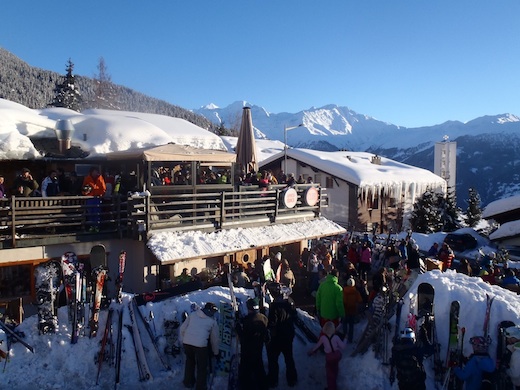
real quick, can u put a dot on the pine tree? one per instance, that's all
(106, 95)
(448, 211)
(66, 94)
(474, 211)
(425, 217)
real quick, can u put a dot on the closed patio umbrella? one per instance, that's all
(246, 145)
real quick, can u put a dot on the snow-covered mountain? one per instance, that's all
(488, 148)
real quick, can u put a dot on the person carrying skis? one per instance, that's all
(332, 345)
(282, 317)
(479, 366)
(194, 333)
(252, 332)
(407, 358)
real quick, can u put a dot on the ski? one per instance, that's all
(47, 282)
(489, 303)
(106, 335)
(503, 357)
(72, 281)
(119, 345)
(161, 295)
(120, 275)
(152, 337)
(98, 276)
(397, 327)
(452, 353)
(14, 335)
(235, 358)
(145, 373)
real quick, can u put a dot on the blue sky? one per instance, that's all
(408, 62)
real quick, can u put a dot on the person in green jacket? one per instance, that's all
(329, 300)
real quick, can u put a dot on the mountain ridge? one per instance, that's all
(488, 147)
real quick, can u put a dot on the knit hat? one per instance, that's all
(351, 282)
(279, 256)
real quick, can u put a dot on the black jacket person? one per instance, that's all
(253, 334)
(282, 316)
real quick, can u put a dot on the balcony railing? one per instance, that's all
(34, 221)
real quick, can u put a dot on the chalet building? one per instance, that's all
(506, 213)
(364, 191)
(161, 195)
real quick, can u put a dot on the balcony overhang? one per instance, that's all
(171, 246)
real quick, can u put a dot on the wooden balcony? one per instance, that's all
(27, 222)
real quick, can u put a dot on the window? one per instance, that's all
(329, 182)
(373, 203)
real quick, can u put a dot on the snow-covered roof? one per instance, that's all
(393, 177)
(265, 148)
(170, 246)
(501, 206)
(506, 230)
(96, 131)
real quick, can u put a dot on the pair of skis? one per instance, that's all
(454, 350)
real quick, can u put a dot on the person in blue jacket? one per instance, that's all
(479, 366)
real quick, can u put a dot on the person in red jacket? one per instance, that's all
(94, 186)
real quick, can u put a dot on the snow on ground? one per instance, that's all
(56, 364)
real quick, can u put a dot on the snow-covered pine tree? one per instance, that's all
(474, 211)
(425, 217)
(448, 211)
(66, 94)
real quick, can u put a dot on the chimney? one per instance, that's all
(64, 130)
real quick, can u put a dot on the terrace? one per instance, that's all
(33, 221)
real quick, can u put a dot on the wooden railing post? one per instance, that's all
(222, 211)
(276, 205)
(13, 222)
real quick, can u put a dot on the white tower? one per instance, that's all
(445, 162)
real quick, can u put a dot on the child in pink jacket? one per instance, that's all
(332, 345)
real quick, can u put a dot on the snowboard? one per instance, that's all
(47, 282)
(268, 271)
(426, 320)
(171, 335)
(302, 326)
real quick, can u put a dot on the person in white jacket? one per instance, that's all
(194, 334)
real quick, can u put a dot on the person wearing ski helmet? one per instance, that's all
(479, 366)
(282, 318)
(407, 358)
(253, 334)
(194, 333)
